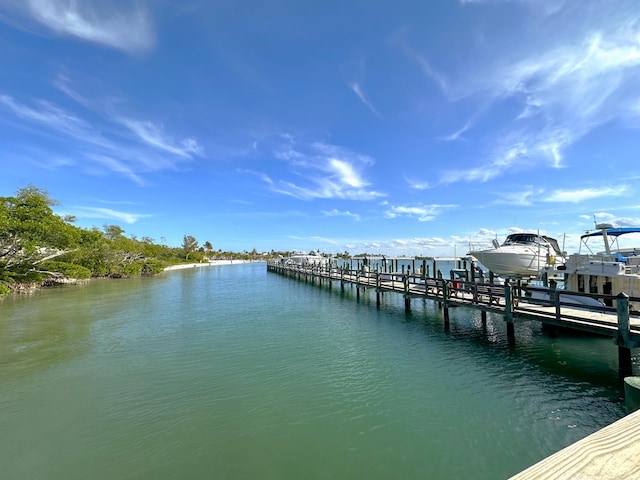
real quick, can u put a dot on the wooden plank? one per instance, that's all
(608, 454)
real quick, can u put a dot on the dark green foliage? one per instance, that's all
(132, 269)
(152, 267)
(68, 270)
(29, 230)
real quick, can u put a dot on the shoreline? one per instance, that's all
(210, 263)
(31, 287)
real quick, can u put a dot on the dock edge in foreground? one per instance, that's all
(610, 453)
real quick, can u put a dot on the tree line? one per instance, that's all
(38, 247)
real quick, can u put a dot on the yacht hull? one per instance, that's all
(508, 263)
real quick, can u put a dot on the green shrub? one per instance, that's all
(151, 267)
(67, 269)
(133, 269)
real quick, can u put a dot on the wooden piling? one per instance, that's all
(623, 339)
(508, 313)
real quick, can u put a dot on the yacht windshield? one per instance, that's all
(533, 239)
(522, 239)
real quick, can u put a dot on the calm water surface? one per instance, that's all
(231, 372)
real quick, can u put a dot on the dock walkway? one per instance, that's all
(610, 453)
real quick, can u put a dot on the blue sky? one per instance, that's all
(405, 127)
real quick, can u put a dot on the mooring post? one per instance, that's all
(407, 298)
(508, 313)
(377, 288)
(445, 293)
(623, 339)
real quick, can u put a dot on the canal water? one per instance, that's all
(231, 372)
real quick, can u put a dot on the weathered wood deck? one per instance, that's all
(609, 453)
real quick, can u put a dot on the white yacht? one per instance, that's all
(612, 271)
(314, 257)
(521, 255)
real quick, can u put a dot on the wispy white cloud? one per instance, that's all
(115, 142)
(150, 132)
(424, 213)
(315, 238)
(616, 220)
(128, 28)
(108, 214)
(406, 246)
(338, 213)
(582, 194)
(524, 196)
(550, 89)
(457, 135)
(417, 184)
(51, 116)
(355, 86)
(154, 135)
(323, 171)
(422, 62)
(114, 165)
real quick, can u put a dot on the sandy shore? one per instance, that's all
(206, 264)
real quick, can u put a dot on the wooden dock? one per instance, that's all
(511, 301)
(609, 453)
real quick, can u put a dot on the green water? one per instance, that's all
(231, 372)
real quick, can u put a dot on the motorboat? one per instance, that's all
(609, 272)
(565, 297)
(521, 255)
(314, 257)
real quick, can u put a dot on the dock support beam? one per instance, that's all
(508, 313)
(623, 339)
(445, 304)
(407, 304)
